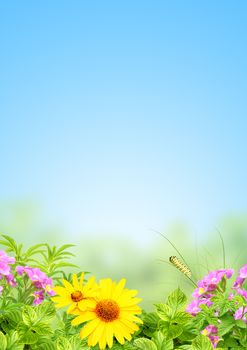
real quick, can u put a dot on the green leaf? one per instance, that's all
(26, 334)
(227, 323)
(222, 304)
(161, 343)
(145, 344)
(200, 319)
(158, 338)
(177, 300)
(201, 342)
(229, 341)
(243, 339)
(35, 249)
(189, 333)
(9, 242)
(45, 310)
(13, 341)
(12, 313)
(240, 324)
(151, 320)
(77, 343)
(63, 343)
(150, 323)
(29, 316)
(164, 311)
(170, 331)
(42, 328)
(47, 346)
(64, 247)
(3, 341)
(65, 264)
(117, 346)
(182, 317)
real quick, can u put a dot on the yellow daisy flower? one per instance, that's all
(77, 296)
(113, 315)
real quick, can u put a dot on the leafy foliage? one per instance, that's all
(24, 325)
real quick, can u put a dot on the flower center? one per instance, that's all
(201, 290)
(107, 310)
(76, 296)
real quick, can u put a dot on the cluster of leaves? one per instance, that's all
(171, 327)
(24, 326)
(29, 327)
(232, 333)
(51, 260)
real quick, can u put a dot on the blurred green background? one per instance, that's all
(145, 267)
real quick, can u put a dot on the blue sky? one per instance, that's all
(121, 116)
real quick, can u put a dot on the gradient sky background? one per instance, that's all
(122, 116)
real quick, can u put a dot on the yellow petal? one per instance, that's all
(129, 316)
(89, 328)
(91, 284)
(57, 299)
(132, 309)
(86, 304)
(72, 308)
(60, 291)
(109, 334)
(122, 301)
(118, 289)
(75, 282)
(118, 332)
(130, 292)
(130, 325)
(102, 343)
(96, 335)
(105, 288)
(81, 279)
(62, 302)
(125, 331)
(68, 286)
(87, 316)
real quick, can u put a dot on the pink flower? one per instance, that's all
(40, 281)
(227, 272)
(20, 270)
(206, 289)
(240, 314)
(202, 288)
(38, 297)
(214, 278)
(4, 269)
(210, 329)
(243, 272)
(48, 287)
(238, 282)
(242, 292)
(5, 260)
(35, 274)
(242, 275)
(11, 281)
(205, 301)
(214, 340)
(210, 282)
(193, 308)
